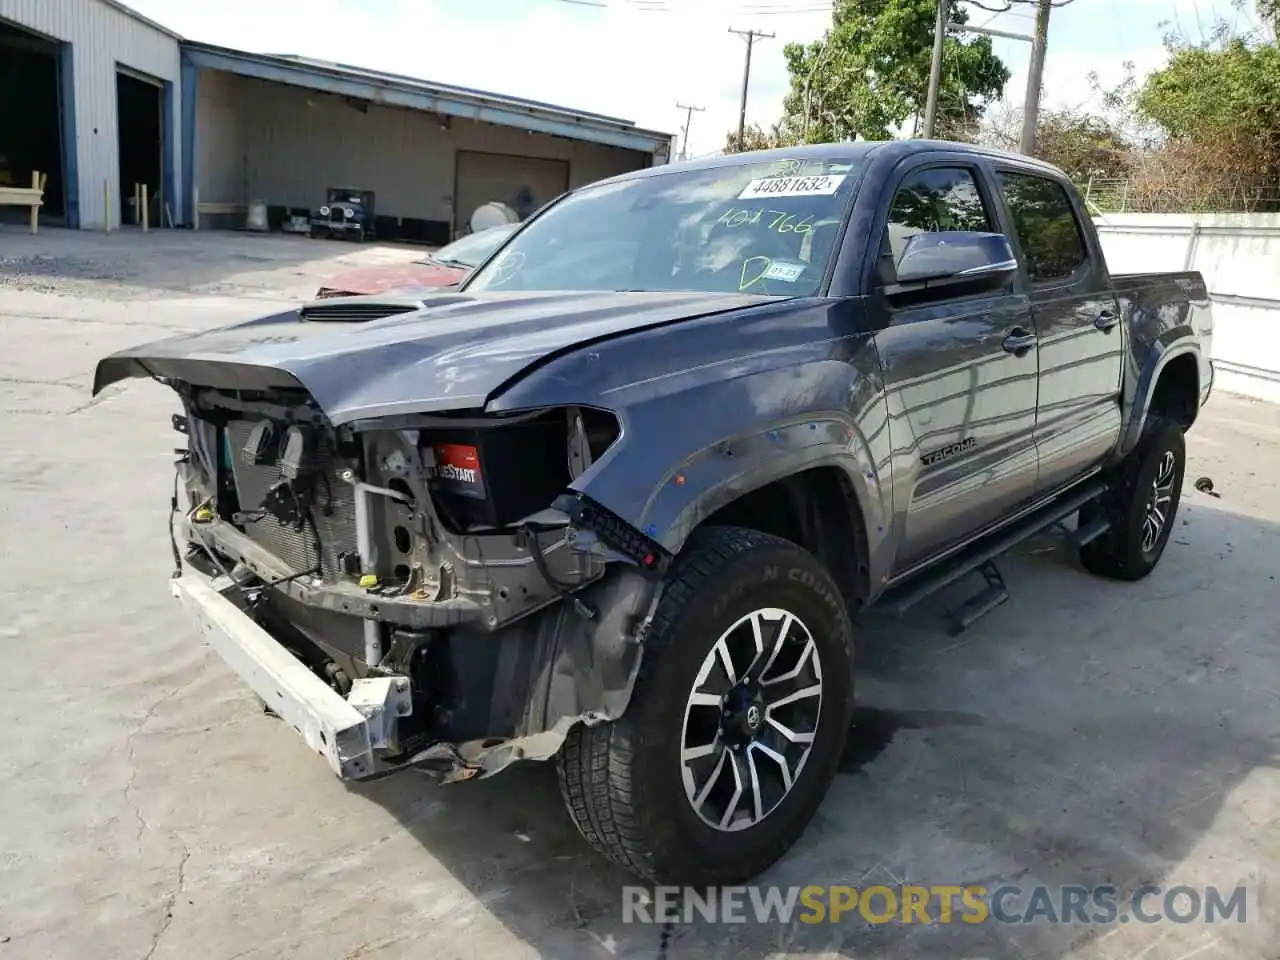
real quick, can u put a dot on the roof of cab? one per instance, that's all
(847, 150)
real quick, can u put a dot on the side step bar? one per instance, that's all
(982, 602)
(1090, 532)
(981, 556)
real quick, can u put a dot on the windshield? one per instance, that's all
(767, 227)
(471, 250)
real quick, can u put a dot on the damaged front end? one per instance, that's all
(418, 590)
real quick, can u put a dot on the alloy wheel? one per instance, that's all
(750, 719)
(1156, 515)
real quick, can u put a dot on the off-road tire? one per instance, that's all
(622, 781)
(1118, 554)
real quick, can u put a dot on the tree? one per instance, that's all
(1269, 11)
(1205, 92)
(756, 137)
(1084, 145)
(869, 74)
(1217, 105)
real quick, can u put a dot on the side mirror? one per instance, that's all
(953, 257)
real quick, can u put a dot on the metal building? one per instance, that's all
(89, 96)
(282, 129)
(99, 99)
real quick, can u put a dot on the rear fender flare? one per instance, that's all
(1170, 345)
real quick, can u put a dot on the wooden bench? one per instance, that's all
(32, 196)
(213, 209)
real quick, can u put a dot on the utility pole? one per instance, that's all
(1031, 103)
(935, 68)
(688, 121)
(751, 36)
(1035, 75)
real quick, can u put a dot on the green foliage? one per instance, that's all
(1083, 145)
(1204, 93)
(869, 74)
(756, 137)
(1269, 10)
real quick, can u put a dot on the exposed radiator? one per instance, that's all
(334, 508)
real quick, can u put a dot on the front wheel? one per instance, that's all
(1142, 506)
(737, 720)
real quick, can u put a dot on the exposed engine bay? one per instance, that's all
(448, 553)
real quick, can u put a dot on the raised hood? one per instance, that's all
(450, 352)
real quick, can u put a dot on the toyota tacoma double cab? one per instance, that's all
(618, 501)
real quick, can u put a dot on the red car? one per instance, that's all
(447, 266)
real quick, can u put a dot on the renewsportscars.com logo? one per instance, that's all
(939, 903)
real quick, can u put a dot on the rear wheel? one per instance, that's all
(736, 723)
(1142, 506)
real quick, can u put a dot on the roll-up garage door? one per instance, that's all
(522, 183)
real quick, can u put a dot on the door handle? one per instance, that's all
(1019, 341)
(1107, 320)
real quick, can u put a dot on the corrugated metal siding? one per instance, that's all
(219, 154)
(524, 183)
(102, 36)
(297, 142)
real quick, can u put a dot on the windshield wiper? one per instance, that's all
(446, 262)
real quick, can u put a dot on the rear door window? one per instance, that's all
(1052, 242)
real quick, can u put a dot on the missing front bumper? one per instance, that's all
(520, 690)
(346, 732)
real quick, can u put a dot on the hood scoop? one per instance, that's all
(353, 310)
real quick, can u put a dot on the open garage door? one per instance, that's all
(140, 120)
(522, 183)
(30, 119)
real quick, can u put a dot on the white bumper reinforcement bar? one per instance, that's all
(332, 726)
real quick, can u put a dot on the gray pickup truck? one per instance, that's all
(620, 499)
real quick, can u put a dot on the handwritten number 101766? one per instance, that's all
(778, 220)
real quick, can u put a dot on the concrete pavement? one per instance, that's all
(1087, 732)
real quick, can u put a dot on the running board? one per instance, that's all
(981, 556)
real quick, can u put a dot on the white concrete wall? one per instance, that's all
(101, 36)
(291, 143)
(1239, 256)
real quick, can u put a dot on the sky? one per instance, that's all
(638, 59)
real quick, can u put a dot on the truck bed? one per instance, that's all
(1189, 281)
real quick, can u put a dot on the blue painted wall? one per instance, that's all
(168, 160)
(189, 75)
(70, 149)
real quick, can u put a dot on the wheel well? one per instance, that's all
(1177, 393)
(818, 510)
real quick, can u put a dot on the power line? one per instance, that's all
(1039, 41)
(766, 11)
(688, 122)
(665, 6)
(751, 36)
(1008, 5)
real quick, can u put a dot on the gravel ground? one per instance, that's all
(1085, 733)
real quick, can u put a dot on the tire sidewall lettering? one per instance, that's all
(774, 575)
